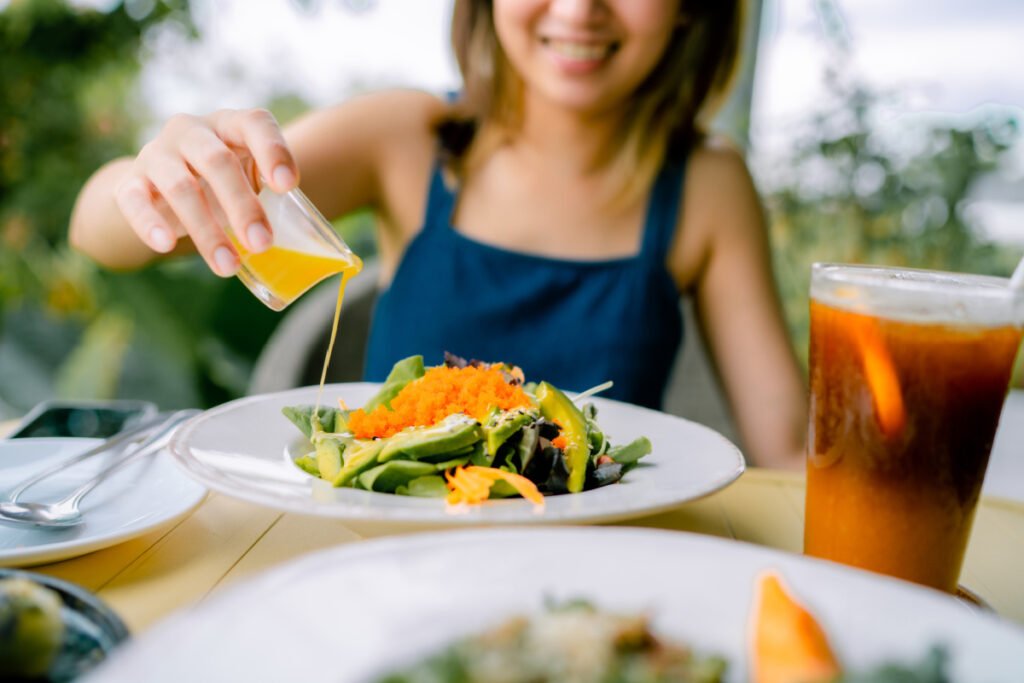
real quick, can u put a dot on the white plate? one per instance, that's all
(141, 497)
(241, 449)
(352, 613)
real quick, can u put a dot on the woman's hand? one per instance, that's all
(200, 175)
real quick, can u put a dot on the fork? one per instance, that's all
(114, 443)
(65, 512)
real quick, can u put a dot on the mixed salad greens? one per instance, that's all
(578, 642)
(582, 644)
(466, 430)
(572, 642)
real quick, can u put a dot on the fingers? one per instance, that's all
(174, 180)
(173, 197)
(136, 201)
(257, 131)
(191, 179)
(222, 171)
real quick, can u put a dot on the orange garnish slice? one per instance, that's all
(473, 484)
(883, 382)
(787, 643)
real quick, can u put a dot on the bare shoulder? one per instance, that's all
(720, 204)
(355, 154)
(377, 120)
(717, 167)
(411, 116)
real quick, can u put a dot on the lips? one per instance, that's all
(580, 50)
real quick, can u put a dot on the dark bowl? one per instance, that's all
(92, 629)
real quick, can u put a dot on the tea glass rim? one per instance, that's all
(923, 280)
(918, 294)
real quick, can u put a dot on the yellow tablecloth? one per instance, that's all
(225, 540)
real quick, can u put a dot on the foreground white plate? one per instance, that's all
(352, 613)
(139, 498)
(240, 448)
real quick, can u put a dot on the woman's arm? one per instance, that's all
(739, 309)
(197, 169)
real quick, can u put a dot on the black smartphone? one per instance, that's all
(93, 419)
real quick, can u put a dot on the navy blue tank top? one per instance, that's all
(573, 323)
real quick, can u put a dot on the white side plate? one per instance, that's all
(139, 498)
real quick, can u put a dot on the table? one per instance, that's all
(1005, 474)
(225, 540)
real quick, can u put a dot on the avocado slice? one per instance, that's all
(557, 407)
(450, 435)
(307, 463)
(390, 475)
(502, 424)
(328, 458)
(359, 457)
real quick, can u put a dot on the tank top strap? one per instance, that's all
(440, 200)
(663, 210)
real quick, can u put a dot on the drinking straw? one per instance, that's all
(1017, 280)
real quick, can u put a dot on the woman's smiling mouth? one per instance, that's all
(577, 55)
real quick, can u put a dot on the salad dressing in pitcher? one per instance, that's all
(306, 250)
(288, 273)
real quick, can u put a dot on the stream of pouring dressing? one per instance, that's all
(345, 275)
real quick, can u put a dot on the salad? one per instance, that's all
(580, 643)
(467, 431)
(573, 642)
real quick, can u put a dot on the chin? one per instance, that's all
(582, 101)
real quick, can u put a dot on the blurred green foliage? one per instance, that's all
(877, 208)
(852, 191)
(172, 333)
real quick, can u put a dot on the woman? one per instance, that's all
(550, 216)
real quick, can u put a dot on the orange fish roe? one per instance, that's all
(442, 391)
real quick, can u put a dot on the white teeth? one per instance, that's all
(578, 50)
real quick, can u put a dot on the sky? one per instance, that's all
(947, 58)
(952, 55)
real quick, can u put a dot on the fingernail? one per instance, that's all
(284, 179)
(226, 262)
(161, 240)
(258, 236)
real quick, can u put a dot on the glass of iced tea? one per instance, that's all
(908, 372)
(306, 250)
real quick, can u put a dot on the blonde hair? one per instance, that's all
(667, 114)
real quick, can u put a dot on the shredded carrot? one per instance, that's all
(560, 441)
(442, 391)
(473, 484)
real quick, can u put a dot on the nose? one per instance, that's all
(577, 10)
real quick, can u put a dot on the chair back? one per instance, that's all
(294, 354)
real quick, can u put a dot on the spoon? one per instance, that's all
(117, 442)
(65, 512)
